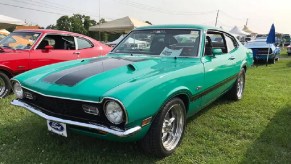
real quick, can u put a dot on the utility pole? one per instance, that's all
(216, 18)
(99, 22)
(247, 21)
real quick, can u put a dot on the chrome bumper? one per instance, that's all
(118, 133)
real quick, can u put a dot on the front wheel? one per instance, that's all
(5, 86)
(236, 92)
(167, 129)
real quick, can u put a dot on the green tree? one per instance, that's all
(51, 26)
(64, 23)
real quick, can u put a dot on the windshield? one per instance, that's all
(19, 40)
(170, 42)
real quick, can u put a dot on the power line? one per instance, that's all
(44, 11)
(161, 10)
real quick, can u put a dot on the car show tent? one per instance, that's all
(236, 31)
(6, 22)
(247, 30)
(121, 25)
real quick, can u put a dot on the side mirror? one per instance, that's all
(217, 51)
(48, 47)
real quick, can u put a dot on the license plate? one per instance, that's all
(58, 128)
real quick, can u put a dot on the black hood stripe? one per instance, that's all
(72, 76)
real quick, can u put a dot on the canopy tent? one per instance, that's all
(247, 30)
(122, 25)
(6, 22)
(236, 31)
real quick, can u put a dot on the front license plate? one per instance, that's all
(58, 128)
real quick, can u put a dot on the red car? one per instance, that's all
(24, 50)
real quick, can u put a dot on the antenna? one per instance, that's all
(216, 18)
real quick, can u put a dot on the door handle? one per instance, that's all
(231, 58)
(76, 53)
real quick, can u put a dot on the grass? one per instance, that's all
(256, 129)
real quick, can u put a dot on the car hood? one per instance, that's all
(90, 79)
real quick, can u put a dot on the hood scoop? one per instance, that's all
(131, 67)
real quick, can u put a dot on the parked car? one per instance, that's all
(140, 94)
(261, 50)
(28, 49)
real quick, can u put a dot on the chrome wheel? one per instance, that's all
(240, 86)
(173, 127)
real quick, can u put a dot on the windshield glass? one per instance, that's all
(170, 42)
(19, 40)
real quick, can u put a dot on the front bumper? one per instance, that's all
(116, 132)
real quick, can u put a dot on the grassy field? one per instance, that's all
(254, 130)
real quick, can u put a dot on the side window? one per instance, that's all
(230, 42)
(59, 42)
(83, 43)
(215, 40)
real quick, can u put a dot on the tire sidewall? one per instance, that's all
(7, 85)
(242, 73)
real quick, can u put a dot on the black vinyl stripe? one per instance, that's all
(72, 76)
(207, 91)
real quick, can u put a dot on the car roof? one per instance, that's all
(47, 31)
(179, 26)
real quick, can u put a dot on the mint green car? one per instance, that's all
(143, 90)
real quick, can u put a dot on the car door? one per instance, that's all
(234, 52)
(53, 48)
(218, 67)
(86, 49)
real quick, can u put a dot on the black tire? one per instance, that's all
(5, 85)
(236, 92)
(154, 141)
(272, 61)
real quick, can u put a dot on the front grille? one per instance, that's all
(66, 109)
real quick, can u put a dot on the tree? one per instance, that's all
(51, 26)
(64, 23)
(80, 24)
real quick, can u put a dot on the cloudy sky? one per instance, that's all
(260, 13)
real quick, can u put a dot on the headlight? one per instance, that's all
(18, 90)
(114, 112)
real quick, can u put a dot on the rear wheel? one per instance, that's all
(236, 92)
(167, 130)
(5, 86)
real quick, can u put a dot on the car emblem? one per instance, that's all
(56, 126)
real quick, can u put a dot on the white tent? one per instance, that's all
(6, 22)
(236, 31)
(122, 25)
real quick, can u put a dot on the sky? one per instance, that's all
(260, 13)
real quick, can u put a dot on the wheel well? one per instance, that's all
(185, 100)
(7, 73)
(245, 67)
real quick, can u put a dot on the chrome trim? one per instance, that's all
(116, 132)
